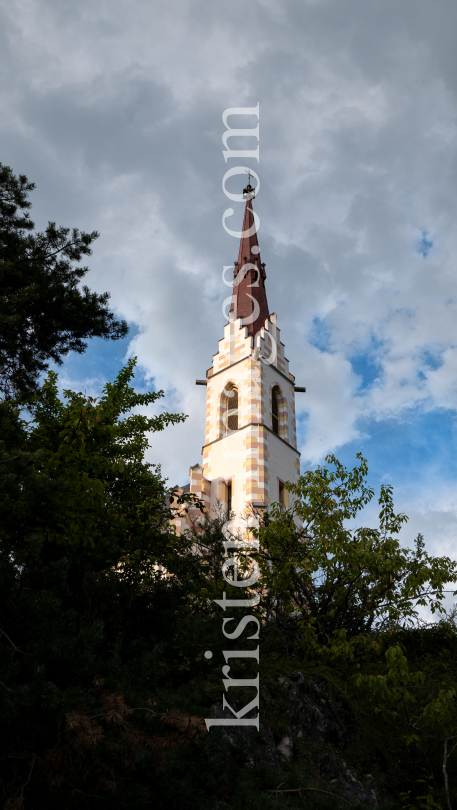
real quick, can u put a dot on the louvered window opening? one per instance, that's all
(275, 411)
(232, 409)
(282, 499)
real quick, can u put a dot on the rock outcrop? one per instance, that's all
(311, 714)
(259, 745)
(313, 728)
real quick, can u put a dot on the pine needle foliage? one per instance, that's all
(44, 313)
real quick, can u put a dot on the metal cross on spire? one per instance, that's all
(249, 191)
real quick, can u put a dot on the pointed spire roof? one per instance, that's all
(249, 295)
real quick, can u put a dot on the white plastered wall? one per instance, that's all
(253, 459)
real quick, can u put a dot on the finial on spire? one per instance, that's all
(249, 191)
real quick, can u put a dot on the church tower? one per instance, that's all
(250, 447)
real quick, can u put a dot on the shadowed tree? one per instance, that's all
(44, 313)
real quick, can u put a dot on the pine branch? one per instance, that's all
(318, 790)
(2, 633)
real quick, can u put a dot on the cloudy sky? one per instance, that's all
(114, 109)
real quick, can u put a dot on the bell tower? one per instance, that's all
(250, 447)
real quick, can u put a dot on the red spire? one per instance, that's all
(249, 295)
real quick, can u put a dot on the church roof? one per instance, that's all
(249, 295)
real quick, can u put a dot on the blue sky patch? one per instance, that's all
(425, 245)
(102, 360)
(412, 454)
(366, 364)
(320, 335)
(411, 451)
(366, 367)
(432, 358)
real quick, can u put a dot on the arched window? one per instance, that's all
(275, 396)
(231, 420)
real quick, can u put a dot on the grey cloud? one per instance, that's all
(114, 110)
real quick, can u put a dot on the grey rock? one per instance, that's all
(311, 717)
(286, 747)
(310, 710)
(353, 789)
(335, 769)
(330, 766)
(260, 744)
(370, 789)
(365, 792)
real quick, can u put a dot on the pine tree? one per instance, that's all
(43, 312)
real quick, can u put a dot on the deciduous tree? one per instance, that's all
(85, 611)
(344, 584)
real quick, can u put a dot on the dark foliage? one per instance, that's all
(43, 312)
(104, 682)
(85, 612)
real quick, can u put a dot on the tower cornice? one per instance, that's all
(253, 424)
(290, 378)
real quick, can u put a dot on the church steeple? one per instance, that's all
(250, 448)
(249, 300)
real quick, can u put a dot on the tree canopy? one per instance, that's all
(84, 534)
(103, 678)
(342, 584)
(44, 313)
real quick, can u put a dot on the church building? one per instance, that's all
(250, 444)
